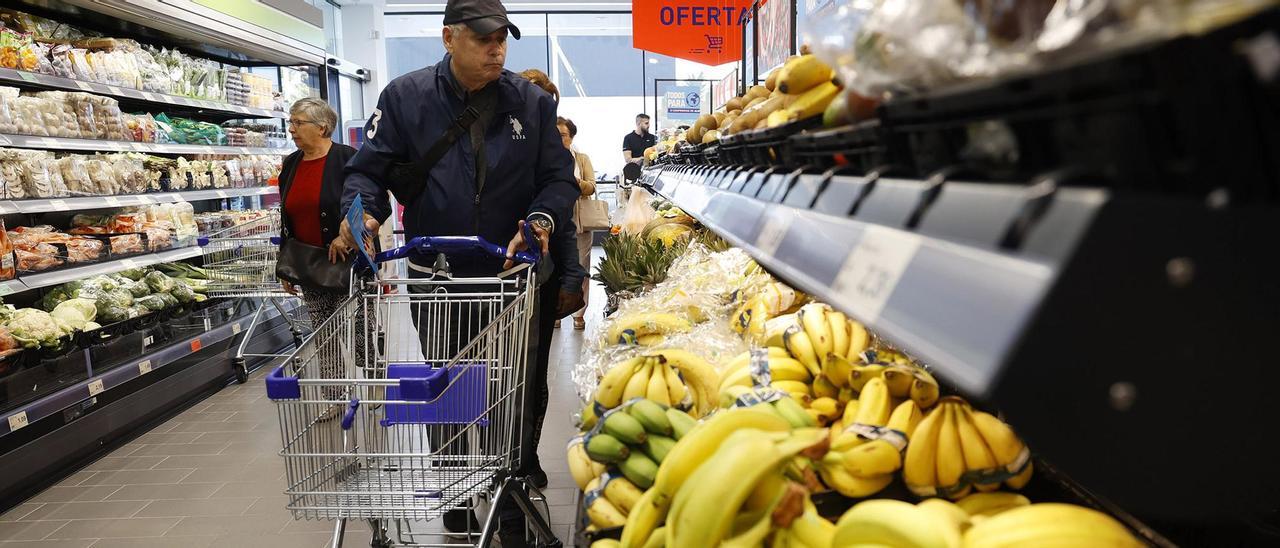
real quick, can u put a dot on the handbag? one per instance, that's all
(593, 215)
(303, 264)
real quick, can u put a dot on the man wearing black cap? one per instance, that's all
(468, 148)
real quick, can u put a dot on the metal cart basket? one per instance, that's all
(241, 262)
(407, 402)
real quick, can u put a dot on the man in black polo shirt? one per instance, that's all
(634, 143)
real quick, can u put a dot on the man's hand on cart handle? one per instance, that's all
(289, 288)
(371, 226)
(518, 243)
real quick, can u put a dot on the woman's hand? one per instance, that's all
(289, 288)
(338, 251)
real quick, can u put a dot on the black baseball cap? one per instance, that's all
(482, 16)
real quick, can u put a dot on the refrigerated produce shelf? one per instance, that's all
(46, 205)
(97, 145)
(32, 281)
(24, 78)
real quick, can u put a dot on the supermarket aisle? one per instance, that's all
(212, 477)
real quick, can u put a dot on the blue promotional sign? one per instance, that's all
(355, 220)
(684, 102)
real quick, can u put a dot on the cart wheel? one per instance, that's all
(242, 374)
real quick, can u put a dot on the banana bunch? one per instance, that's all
(866, 449)
(816, 332)
(645, 329)
(807, 530)
(956, 449)
(670, 377)
(636, 438)
(1049, 524)
(904, 381)
(700, 446)
(934, 523)
(581, 467)
(773, 366)
(751, 316)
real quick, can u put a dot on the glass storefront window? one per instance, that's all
(415, 41)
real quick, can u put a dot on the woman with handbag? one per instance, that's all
(313, 260)
(586, 211)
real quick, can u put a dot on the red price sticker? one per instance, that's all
(196, 345)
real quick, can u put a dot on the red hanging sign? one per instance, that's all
(702, 31)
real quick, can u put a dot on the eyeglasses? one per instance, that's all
(299, 122)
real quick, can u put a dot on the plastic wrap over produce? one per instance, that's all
(690, 310)
(913, 45)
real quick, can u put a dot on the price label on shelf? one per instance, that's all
(146, 200)
(148, 341)
(206, 149)
(245, 150)
(128, 263)
(27, 76)
(59, 205)
(223, 194)
(7, 287)
(140, 147)
(51, 142)
(17, 420)
(5, 140)
(84, 86)
(144, 367)
(774, 230)
(235, 328)
(872, 270)
(96, 387)
(113, 201)
(196, 345)
(115, 90)
(149, 96)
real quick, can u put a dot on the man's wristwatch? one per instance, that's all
(542, 222)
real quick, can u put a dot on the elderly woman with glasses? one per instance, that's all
(311, 182)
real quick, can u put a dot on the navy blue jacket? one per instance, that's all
(529, 170)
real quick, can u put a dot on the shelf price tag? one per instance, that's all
(6, 288)
(115, 90)
(59, 205)
(84, 86)
(149, 96)
(196, 345)
(96, 387)
(872, 270)
(128, 263)
(144, 367)
(140, 147)
(235, 328)
(223, 194)
(774, 230)
(27, 76)
(17, 420)
(5, 140)
(113, 201)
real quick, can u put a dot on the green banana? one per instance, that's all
(640, 469)
(657, 447)
(681, 422)
(651, 416)
(607, 449)
(625, 427)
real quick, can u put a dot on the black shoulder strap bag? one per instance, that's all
(308, 265)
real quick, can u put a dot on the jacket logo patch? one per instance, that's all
(517, 130)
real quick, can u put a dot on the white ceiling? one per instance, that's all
(543, 5)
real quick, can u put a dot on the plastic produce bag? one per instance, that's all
(637, 212)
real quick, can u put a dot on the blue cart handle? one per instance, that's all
(462, 246)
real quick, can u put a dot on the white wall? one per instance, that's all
(363, 33)
(602, 123)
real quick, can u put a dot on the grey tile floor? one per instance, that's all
(211, 476)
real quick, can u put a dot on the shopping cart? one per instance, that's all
(407, 402)
(241, 262)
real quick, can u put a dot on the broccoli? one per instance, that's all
(138, 288)
(183, 293)
(159, 282)
(134, 274)
(152, 302)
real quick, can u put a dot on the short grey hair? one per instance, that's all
(318, 111)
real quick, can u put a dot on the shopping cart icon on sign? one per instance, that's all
(715, 42)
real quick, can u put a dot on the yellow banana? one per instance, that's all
(799, 345)
(990, 504)
(657, 540)
(862, 374)
(838, 325)
(1005, 446)
(924, 389)
(977, 456)
(811, 529)
(906, 416)
(639, 382)
(657, 390)
(851, 409)
(580, 465)
(838, 478)
(1050, 524)
(676, 389)
(643, 519)
(699, 374)
(788, 369)
(775, 327)
(888, 522)
(651, 339)
(950, 456)
(613, 385)
(837, 369)
(622, 493)
(919, 468)
(698, 445)
(948, 518)
(898, 378)
(797, 389)
(604, 514)
(871, 459)
(605, 543)
(859, 340)
(804, 73)
(794, 413)
(874, 404)
(628, 329)
(813, 102)
(823, 388)
(827, 408)
(813, 317)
